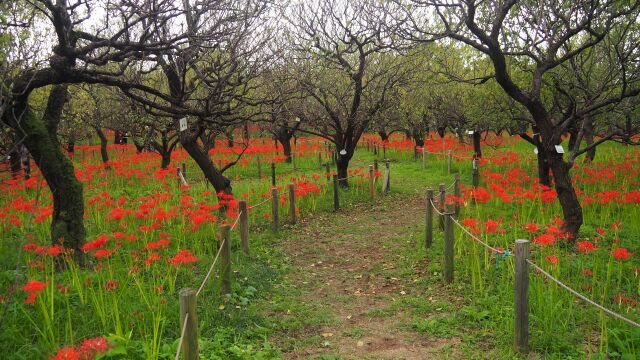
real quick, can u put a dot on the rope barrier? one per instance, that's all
(184, 330)
(582, 297)
(236, 222)
(435, 208)
(505, 253)
(258, 204)
(206, 278)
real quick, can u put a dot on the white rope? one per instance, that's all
(582, 297)
(183, 181)
(435, 208)
(506, 253)
(206, 278)
(184, 330)
(256, 205)
(236, 222)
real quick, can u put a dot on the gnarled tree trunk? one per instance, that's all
(67, 226)
(103, 146)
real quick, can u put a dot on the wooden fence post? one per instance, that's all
(386, 180)
(178, 176)
(274, 209)
(424, 157)
(259, 167)
(336, 201)
(441, 199)
(429, 220)
(292, 203)
(190, 340)
(244, 226)
(375, 165)
(225, 259)
(456, 192)
(372, 191)
(448, 244)
(184, 170)
(476, 172)
(273, 174)
(521, 306)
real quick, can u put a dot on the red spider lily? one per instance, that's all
(553, 260)
(183, 257)
(111, 285)
(98, 243)
(545, 239)
(586, 272)
(118, 213)
(600, 231)
(470, 223)
(103, 253)
(623, 299)
(548, 196)
(68, 353)
(33, 288)
(585, 246)
(491, 226)
(532, 227)
(621, 254)
(152, 258)
(481, 195)
(158, 244)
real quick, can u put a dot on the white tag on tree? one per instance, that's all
(470, 132)
(183, 124)
(559, 149)
(343, 152)
(535, 151)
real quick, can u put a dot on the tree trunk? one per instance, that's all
(543, 163)
(383, 135)
(229, 135)
(103, 146)
(571, 209)
(441, 131)
(219, 182)
(284, 137)
(343, 174)
(477, 150)
(67, 226)
(15, 162)
(588, 137)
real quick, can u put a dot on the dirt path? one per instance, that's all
(349, 270)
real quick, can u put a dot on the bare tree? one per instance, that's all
(538, 39)
(348, 65)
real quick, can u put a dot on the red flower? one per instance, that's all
(67, 353)
(33, 288)
(111, 285)
(102, 253)
(552, 259)
(491, 226)
(585, 246)
(183, 257)
(545, 239)
(96, 345)
(621, 254)
(531, 227)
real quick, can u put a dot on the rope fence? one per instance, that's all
(188, 342)
(521, 307)
(582, 297)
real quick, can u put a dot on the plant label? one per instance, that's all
(183, 124)
(470, 132)
(559, 149)
(535, 151)
(343, 152)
